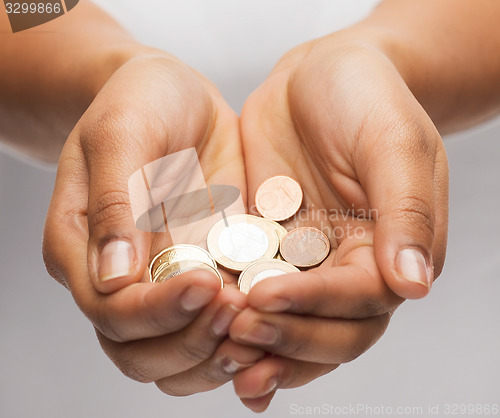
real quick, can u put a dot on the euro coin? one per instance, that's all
(305, 247)
(261, 270)
(179, 267)
(280, 231)
(278, 228)
(278, 198)
(238, 240)
(179, 252)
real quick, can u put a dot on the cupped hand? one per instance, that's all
(336, 115)
(172, 333)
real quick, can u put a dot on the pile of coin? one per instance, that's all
(179, 259)
(253, 247)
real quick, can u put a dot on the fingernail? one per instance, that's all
(271, 385)
(277, 305)
(231, 366)
(196, 297)
(117, 259)
(262, 333)
(223, 318)
(412, 266)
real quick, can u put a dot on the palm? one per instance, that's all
(221, 160)
(273, 146)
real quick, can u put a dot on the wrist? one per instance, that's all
(399, 51)
(104, 63)
(404, 53)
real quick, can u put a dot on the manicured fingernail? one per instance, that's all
(231, 366)
(262, 333)
(223, 318)
(277, 305)
(117, 259)
(271, 385)
(412, 266)
(196, 297)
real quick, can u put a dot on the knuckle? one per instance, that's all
(293, 346)
(172, 322)
(295, 349)
(195, 351)
(175, 320)
(410, 137)
(214, 375)
(416, 214)
(108, 124)
(109, 207)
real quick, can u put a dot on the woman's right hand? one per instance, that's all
(173, 333)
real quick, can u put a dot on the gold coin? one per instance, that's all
(179, 252)
(278, 198)
(305, 247)
(179, 267)
(239, 240)
(280, 231)
(260, 270)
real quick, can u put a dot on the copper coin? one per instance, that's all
(278, 198)
(305, 247)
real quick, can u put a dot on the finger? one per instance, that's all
(308, 338)
(257, 385)
(390, 159)
(212, 373)
(139, 311)
(441, 181)
(400, 183)
(354, 289)
(258, 404)
(152, 359)
(148, 310)
(126, 129)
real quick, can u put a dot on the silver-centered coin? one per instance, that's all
(239, 240)
(261, 270)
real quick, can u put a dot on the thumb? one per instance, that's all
(151, 106)
(407, 183)
(118, 251)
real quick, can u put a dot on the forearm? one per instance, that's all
(448, 53)
(49, 77)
